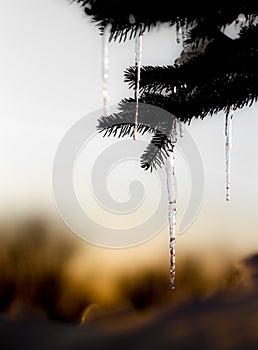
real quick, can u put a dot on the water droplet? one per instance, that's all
(241, 20)
(132, 19)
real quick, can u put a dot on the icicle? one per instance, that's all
(174, 131)
(172, 211)
(138, 63)
(105, 69)
(183, 30)
(178, 32)
(241, 20)
(181, 129)
(228, 145)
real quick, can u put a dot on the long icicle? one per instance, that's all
(228, 146)
(174, 131)
(105, 69)
(172, 207)
(170, 170)
(138, 63)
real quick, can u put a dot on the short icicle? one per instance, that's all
(172, 208)
(240, 21)
(183, 32)
(105, 69)
(228, 145)
(178, 31)
(138, 63)
(181, 129)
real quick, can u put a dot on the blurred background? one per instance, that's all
(50, 78)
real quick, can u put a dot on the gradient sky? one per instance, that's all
(51, 77)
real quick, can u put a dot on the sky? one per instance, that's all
(51, 77)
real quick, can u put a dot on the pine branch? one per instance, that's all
(118, 127)
(206, 83)
(150, 119)
(210, 27)
(221, 56)
(208, 99)
(123, 123)
(129, 18)
(212, 73)
(156, 152)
